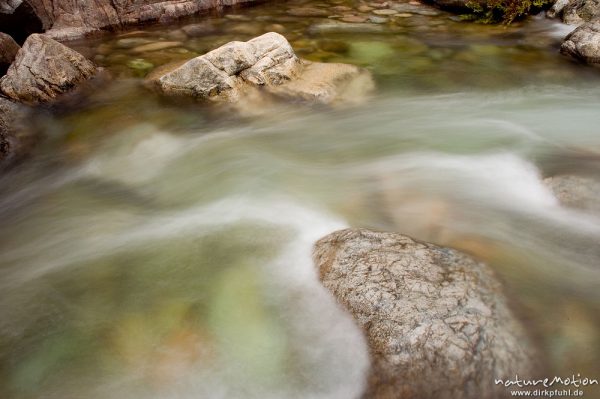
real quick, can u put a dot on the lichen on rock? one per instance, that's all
(436, 320)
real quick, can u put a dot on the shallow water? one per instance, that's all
(160, 250)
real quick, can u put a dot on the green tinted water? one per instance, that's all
(153, 249)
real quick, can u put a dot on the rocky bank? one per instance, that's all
(66, 19)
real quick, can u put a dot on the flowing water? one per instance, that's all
(153, 249)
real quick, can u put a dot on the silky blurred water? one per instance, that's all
(153, 249)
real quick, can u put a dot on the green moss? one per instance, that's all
(504, 11)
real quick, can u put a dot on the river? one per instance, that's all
(158, 249)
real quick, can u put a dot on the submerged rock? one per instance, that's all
(557, 8)
(8, 52)
(458, 5)
(576, 191)
(437, 323)
(584, 43)
(327, 83)
(267, 62)
(43, 70)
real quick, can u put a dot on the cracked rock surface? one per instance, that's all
(44, 69)
(437, 323)
(8, 52)
(584, 43)
(267, 62)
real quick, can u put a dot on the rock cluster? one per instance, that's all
(584, 43)
(575, 12)
(65, 19)
(436, 321)
(267, 62)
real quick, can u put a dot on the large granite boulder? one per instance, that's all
(578, 192)
(68, 19)
(8, 52)
(584, 43)
(43, 70)
(436, 320)
(267, 62)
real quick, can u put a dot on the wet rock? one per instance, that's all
(327, 83)
(557, 9)
(9, 6)
(576, 191)
(415, 9)
(386, 12)
(436, 321)
(131, 42)
(237, 17)
(575, 12)
(308, 12)
(268, 61)
(341, 9)
(343, 27)
(43, 70)
(221, 73)
(275, 28)
(355, 19)
(140, 66)
(378, 20)
(198, 30)
(156, 46)
(8, 52)
(65, 19)
(584, 43)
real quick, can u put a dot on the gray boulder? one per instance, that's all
(578, 192)
(436, 321)
(236, 69)
(8, 52)
(43, 70)
(584, 43)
